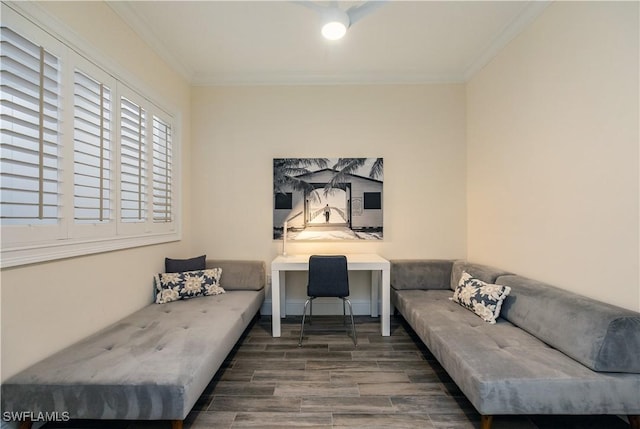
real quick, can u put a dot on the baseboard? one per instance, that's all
(321, 306)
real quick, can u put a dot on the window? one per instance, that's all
(92, 150)
(372, 200)
(85, 166)
(284, 201)
(30, 132)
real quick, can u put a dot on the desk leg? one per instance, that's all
(275, 303)
(385, 319)
(283, 295)
(375, 288)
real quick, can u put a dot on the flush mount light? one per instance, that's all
(336, 21)
(335, 24)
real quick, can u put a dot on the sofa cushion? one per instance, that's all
(420, 274)
(484, 299)
(502, 369)
(601, 336)
(151, 365)
(182, 265)
(190, 284)
(240, 275)
(483, 272)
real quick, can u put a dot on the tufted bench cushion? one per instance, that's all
(502, 369)
(151, 365)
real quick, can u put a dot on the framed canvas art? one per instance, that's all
(328, 198)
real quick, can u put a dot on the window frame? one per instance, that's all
(70, 238)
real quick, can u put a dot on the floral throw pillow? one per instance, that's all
(188, 284)
(482, 298)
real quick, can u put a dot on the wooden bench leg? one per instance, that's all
(485, 422)
(634, 422)
(176, 424)
(27, 424)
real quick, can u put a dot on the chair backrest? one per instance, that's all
(328, 276)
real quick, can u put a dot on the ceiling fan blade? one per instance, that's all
(356, 13)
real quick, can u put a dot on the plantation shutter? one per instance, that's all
(162, 159)
(29, 130)
(86, 156)
(133, 168)
(92, 150)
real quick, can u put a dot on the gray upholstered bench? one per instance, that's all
(550, 351)
(151, 365)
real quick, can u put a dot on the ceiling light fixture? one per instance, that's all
(336, 21)
(335, 24)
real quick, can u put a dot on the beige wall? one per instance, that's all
(48, 306)
(418, 130)
(552, 124)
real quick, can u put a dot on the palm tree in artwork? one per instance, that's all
(346, 166)
(287, 172)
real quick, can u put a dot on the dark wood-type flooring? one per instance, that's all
(385, 382)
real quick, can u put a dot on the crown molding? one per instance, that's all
(140, 26)
(529, 14)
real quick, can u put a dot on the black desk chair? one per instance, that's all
(328, 277)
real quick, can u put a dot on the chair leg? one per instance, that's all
(353, 325)
(344, 313)
(304, 314)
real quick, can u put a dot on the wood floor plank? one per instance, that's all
(265, 375)
(351, 365)
(243, 388)
(382, 421)
(255, 404)
(298, 389)
(367, 377)
(266, 420)
(361, 404)
(304, 353)
(386, 355)
(400, 389)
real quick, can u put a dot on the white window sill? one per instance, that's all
(14, 257)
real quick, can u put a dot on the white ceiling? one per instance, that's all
(279, 42)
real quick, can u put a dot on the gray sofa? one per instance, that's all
(550, 352)
(151, 365)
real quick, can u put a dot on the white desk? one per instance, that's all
(379, 267)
